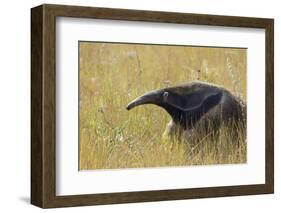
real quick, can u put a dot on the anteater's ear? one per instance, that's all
(196, 102)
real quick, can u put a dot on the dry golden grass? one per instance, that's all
(111, 75)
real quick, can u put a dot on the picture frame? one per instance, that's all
(43, 105)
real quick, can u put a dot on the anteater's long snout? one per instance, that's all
(147, 98)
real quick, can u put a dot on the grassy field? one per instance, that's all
(112, 75)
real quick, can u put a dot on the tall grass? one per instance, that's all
(111, 75)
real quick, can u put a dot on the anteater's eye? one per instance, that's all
(165, 96)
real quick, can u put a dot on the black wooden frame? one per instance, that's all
(43, 105)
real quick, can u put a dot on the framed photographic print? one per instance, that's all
(135, 106)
